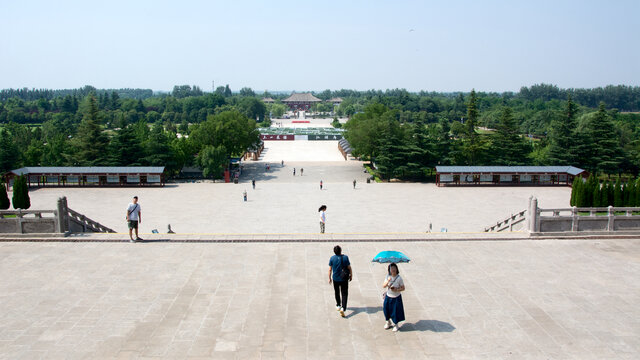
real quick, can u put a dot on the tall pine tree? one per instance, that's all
(605, 154)
(90, 142)
(473, 144)
(562, 137)
(509, 148)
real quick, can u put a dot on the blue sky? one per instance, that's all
(303, 45)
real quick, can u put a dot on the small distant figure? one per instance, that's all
(320, 184)
(354, 183)
(294, 171)
(134, 218)
(253, 183)
(282, 163)
(268, 167)
(169, 231)
(323, 217)
(301, 171)
(430, 228)
(244, 195)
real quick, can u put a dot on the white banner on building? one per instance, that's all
(153, 178)
(133, 178)
(545, 178)
(301, 137)
(466, 178)
(486, 178)
(52, 179)
(94, 179)
(113, 179)
(446, 178)
(72, 179)
(525, 178)
(506, 178)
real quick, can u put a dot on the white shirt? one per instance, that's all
(323, 217)
(134, 212)
(395, 282)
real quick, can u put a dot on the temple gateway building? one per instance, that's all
(301, 101)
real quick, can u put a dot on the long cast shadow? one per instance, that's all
(428, 325)
(365, 309)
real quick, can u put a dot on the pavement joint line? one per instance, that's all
(324, 240)
(306, 234)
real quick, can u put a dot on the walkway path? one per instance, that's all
(464, 300)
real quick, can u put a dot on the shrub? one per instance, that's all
(21, 194)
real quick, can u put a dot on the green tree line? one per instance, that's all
(109, 131)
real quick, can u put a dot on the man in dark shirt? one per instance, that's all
(340, 274)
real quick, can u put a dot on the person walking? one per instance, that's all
(323, 217)
(320, 184)
(354, 184)
(281, 163)
(301, 171)
(294, 171)
(134, 218)
(244, 195)
(340, 274)
(253, 183)
(392, 306)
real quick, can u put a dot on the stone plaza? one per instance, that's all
(284, 203)
(524, 299)
(469, 296)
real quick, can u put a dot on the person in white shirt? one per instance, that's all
(323, 217)
(134, 218)
(392, 307)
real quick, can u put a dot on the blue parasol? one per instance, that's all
(391, 257)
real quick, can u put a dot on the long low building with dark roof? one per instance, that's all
(89, 176)
(507, 175)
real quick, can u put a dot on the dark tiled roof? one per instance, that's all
(89, 170)
(509, 169)
(301, 97)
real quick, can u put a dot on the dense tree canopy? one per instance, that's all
(405, 133)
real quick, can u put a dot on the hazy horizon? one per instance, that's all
(492, 46)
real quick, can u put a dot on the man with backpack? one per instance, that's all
(134, 218)
(340, 274)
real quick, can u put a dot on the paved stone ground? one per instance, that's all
(276, 151)
(526, 299)
(282, 203)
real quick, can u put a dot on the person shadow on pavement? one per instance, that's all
(428, 325)
(365, 309)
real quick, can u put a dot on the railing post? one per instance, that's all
(534, 215)
(610, 223)
(574, 218)
(19, 218)
(60, 217)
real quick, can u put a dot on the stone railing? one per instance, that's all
(73, 221)
(61, 220)
(508, 223)
(575, 219)
(29, 221)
